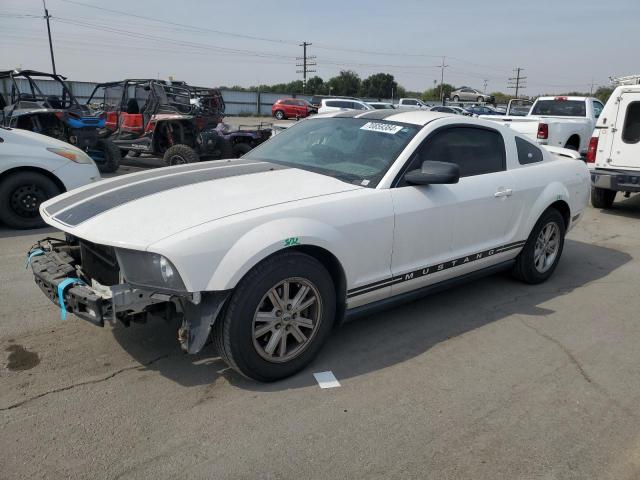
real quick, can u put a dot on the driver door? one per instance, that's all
(443, 231)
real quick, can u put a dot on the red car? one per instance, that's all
(292, 108)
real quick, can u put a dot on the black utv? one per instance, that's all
(43, 103)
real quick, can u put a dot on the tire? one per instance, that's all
(133, 153)
(234, 330)
(21, 194)
(239, 149)
(602, 198)
(572, 146)
(224, 148)
(280, 115)
(480, 99)
(179, 155)
(525, 268)
(110, 157)
(456, 98)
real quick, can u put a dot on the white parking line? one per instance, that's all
(326, 379)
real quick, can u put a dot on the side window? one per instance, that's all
(631, 127)
(597, 108)
(527, 152)
(289, 102)
(332, 104)
(410, 102)
(358, 106)
(475, 150)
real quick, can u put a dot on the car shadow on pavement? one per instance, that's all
(627, 207)
(392, 336)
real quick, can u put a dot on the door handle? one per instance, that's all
(503, 192)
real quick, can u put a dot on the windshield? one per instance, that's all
(354, 150)
(560, 108)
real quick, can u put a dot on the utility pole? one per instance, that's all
(307, 61)
(47, 17)
(442, 67)
(486, 82)
(592, 85)
(517, 82)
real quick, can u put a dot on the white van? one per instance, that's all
(614, 150)
(335, 104)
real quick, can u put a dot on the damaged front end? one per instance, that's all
(102, 284)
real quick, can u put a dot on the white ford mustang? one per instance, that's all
(333, 217)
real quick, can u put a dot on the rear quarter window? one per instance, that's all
(527, 152)
(631, 127)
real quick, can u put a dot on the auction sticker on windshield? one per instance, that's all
(381, 127)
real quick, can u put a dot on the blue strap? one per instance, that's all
(61, 286)
(33, 253)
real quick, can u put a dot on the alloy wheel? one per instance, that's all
(547, 247)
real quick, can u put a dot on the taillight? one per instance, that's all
(543, 131)
(593, 148)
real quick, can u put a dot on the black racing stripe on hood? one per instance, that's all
(95, 206)
(57, 207)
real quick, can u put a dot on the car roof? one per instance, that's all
(409, 115)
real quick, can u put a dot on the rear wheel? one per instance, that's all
(278, 317)
(239, 149)
(602, 198)
(180, 154)
(541, 254)
(20, 197)
(279, 115)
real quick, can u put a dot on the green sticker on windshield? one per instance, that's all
(289, 242)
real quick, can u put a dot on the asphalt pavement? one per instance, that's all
(491, 380)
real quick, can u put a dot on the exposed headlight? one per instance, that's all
(71, 154)
(147, 269)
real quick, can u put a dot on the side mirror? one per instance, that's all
(434, 173)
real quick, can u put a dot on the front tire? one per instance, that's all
(541, 253)
(239, 149)
(456, 98)
(278, 317)
(280, 115)
(180, 155)
(20, 197)
(602, 198)
(480, 99)
(110, 157)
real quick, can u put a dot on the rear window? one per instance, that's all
(527, 152)
(631, 128)
(560, 108)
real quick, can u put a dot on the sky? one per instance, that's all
(562, 45)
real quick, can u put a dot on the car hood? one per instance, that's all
(137, 210)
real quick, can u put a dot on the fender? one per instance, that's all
(269, 238)
(554, 192)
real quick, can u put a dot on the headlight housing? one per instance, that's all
(72, 154)
(147, 269)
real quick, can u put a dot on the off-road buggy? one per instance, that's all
(56, 113)
(172, 120)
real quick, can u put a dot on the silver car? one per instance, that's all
(470, 95)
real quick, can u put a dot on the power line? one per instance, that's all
(517, 82)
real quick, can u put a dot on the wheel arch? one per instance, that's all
(573, 140)
(41, 171)
(555, 196)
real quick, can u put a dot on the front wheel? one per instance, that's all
(106, 155)
(278, 317)
(456, 98)
(480, 99)
(602, 198)
(541, 254)
(279, 115)
(179, 155)
(21, 194)
(239, 149)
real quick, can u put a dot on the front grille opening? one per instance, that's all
(99, 263)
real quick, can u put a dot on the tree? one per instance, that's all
(603, 93)
(379, 85)
(434, 93)
(347, 83)
(314, 85)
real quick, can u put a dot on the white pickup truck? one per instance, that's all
(566, 122)
(412, 103)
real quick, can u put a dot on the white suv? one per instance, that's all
(337, 104)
